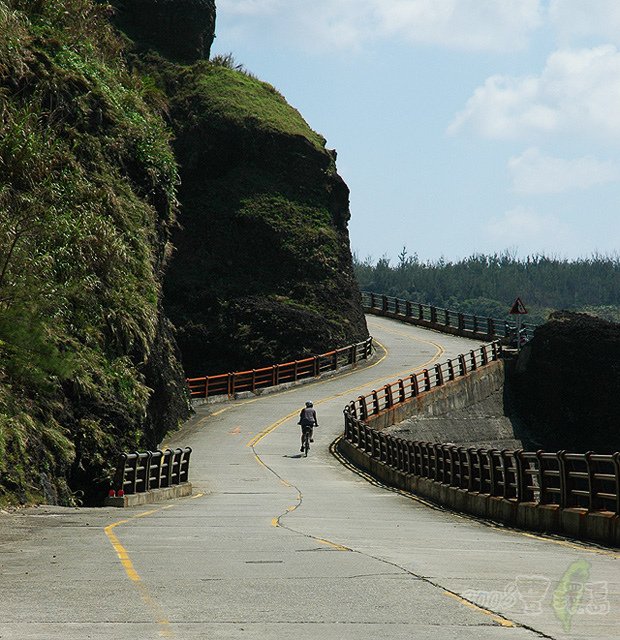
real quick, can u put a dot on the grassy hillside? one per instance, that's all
(87, 198)
(262, 270)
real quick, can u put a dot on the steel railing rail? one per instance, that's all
(442, 319)
(254, 379)
(144, 471)
(584, 480)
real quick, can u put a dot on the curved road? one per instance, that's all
(275, 545)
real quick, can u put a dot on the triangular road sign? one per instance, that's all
(518, 308)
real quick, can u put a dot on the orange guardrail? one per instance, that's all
(255, 379)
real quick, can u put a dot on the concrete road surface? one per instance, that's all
(273, 545)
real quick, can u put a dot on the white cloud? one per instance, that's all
(530, 231)
(479, 25)
(575, 20)
(534, 173)
(577, 92)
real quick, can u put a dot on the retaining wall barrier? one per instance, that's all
(254, 380)
(445, 320)
(574, 494)
(150, 476)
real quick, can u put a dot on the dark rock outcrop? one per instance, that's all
(567, 384)
(179, 29)
(263, 269)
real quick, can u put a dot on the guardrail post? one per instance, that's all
(450, 370)
(389, 401)
(434, 315)
(505, 467)
(206, 386)
(384, 302)
(470, 469)
(353, 355)
(461, 321)
(363, 407)
(415, 387)
(316, 364)
(472, 354)
(592, 497)
(475, 324)
(253, 380)
(462, 365)
(439, 375)
(372, 300)
(493, 491)
(564, 481)
(542, 478)
(231, 385)
(401, 391)
(616, 460)
(520, 476)
(484, 355)
(408, 309)
(396, 306)
(491, 326)
(427, 380)
(375, 403)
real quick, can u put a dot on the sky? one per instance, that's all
(461, 126)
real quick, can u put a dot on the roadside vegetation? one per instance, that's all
(87, 194)
(488, 285)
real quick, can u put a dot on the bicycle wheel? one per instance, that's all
(306, 444)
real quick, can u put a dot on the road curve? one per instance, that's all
(274, 545)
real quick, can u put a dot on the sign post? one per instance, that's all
(518, 309)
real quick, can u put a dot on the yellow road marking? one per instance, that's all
(328, 543)
(504, 622)
(165, 630)
(198, 495)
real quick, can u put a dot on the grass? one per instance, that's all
(240, 97)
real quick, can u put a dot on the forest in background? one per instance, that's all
(487, 285)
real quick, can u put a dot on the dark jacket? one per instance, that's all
(307, 417)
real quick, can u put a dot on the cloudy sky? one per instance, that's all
(462, 126)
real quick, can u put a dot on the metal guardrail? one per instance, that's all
(590, 481)
(139, 472)
(231, 383)
(429, 314)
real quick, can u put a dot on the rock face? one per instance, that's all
(567, 384)
(88, 363)
(179, 29)
(262, 271)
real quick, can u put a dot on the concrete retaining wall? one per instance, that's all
(576, 523)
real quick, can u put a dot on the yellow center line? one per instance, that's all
(504, 622)
(165, 629)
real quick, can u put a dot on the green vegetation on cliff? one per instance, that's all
(87, 198)
(262, 270)
(488, 285)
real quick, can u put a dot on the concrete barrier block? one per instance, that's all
(150, 497)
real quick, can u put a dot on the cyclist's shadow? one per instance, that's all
(298, 455)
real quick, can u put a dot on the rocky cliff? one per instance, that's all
(91, 140)
(262, 269)
(88, 364)
(567, 384)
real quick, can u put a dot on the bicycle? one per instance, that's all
(305, 441)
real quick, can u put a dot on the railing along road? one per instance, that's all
(437, 317)
(585, 480)
(231, 383)
(143, 471)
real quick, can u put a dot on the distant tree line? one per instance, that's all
(488, 284)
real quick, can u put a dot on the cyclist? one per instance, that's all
(307, 420)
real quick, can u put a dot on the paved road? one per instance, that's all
(274, 545)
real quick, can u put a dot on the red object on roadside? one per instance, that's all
(120, 493)
(111, 493)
